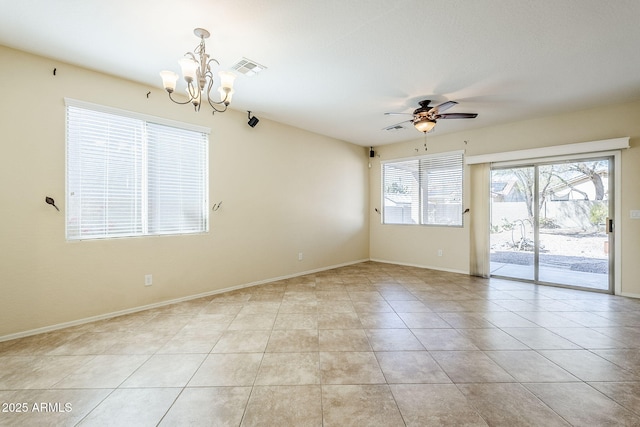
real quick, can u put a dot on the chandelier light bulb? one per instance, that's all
(225, 95)
(226, 79)
(169, 80)
(189, 69)
(226, 86)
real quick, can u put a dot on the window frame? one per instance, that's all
(145, 119)
(421, 191)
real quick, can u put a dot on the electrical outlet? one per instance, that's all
(439, 252)
(148, 279)
(300, 256)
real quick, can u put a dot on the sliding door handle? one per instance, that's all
(609, 225)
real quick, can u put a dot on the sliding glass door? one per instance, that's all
(550, 223)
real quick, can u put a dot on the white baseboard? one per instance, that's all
(629, 294)
(110, 315)
(421, 266)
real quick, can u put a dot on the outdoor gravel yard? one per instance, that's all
(558, 248)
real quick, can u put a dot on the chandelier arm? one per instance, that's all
(209, 87)
(178, 102)
(209, 75)
(195, 94)
(224, 101)
(213, 104)
(215, 109)
(193, 90)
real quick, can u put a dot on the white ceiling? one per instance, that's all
(335, 66)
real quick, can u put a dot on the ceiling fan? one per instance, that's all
(425, 117)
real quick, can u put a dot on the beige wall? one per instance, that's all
(283, 190)
(417, 245)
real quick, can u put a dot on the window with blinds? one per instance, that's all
(423, 190)
(129, 176)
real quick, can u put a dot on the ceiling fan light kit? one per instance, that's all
(196, 71)
(424, 125)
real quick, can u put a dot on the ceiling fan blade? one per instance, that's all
(442, 107)
(397, 125)
(396, 114)
(457, 116)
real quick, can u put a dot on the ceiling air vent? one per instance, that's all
(248, 67)
(394, 128)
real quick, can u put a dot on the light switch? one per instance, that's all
(635, 214)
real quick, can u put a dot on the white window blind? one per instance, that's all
(128, 176)
(177, 180)
(424, 190)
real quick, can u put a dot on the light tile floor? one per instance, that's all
(370, 344)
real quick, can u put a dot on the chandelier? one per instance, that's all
(196, 71)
